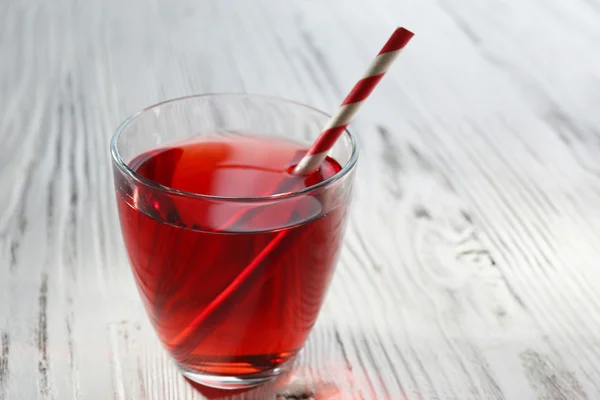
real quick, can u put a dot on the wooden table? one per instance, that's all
(471, 264)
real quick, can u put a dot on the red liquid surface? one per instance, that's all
(231, 289)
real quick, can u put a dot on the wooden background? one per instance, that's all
(471, 266)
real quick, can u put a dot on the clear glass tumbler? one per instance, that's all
(232, 285)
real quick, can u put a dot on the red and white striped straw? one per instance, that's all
(363, 88)
(311, 161)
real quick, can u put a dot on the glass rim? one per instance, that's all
(124, 168)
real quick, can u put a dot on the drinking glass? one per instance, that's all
(232, 302)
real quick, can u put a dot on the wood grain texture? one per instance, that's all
(470, 265)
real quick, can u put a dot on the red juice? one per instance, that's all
(232, 287)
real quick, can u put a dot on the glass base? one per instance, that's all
(230, 382)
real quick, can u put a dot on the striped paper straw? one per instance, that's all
(363, 88)
(309, 163)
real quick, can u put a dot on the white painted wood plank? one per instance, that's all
(469, 266)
